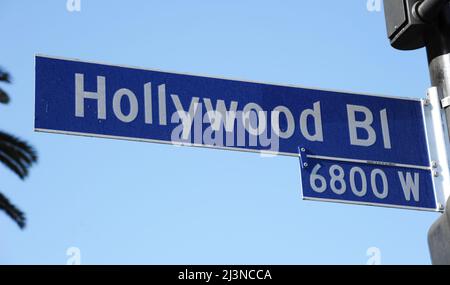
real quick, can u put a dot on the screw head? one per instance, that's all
(305, 164)
(434, 164)
(302, 149)
(426, 102)
(435, 173)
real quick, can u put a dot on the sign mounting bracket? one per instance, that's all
(437, 136)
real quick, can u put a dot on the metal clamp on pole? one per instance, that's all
(438, 144)
(445, 102)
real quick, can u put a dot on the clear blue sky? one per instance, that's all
(129, 202)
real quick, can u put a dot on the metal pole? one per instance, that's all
(412, 24)
(439, 239)
(437, 39)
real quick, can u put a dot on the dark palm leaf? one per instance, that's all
(16, 154)
(4, 76)
(4, 98)
(17, 215)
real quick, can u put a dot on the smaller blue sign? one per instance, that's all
(344, 180)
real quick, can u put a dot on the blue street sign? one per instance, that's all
(348, 181)
(91, 99)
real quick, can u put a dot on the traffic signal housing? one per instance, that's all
(408, 20)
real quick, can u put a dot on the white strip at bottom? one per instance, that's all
(382, 163)
(370, 204)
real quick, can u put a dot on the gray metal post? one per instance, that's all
(413, 24)
(437, 40)
(439, 239)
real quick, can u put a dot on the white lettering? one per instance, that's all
(80, 95)
(408, 185)
(365, 124)
(186, 117)
(117, 108)
(315, 114)
(275, 122)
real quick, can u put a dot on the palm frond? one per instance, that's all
(12, 211)
(16, 154)
(12, 165)
(4, 98)
(4, 76)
